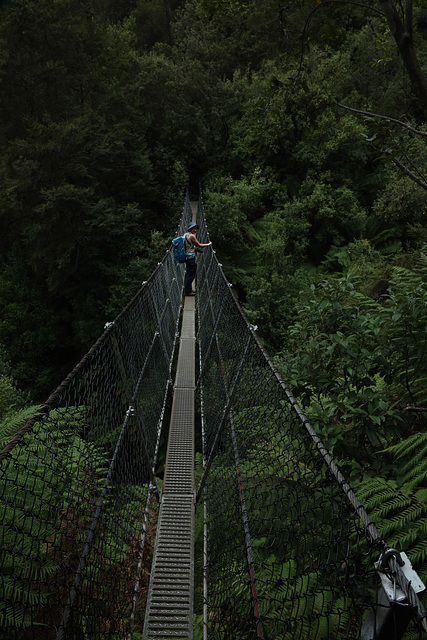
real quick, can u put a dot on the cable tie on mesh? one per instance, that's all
(220, 264)
(130, 411)
(108, 324)
(378, 543)
(254, 327)
(145, 282)
(230, 285)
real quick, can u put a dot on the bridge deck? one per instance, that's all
(169, 612)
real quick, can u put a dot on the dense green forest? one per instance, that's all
(305, 123)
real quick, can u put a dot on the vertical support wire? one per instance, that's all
(222, 420)
(351, 499)
(246, 529)
(87, 545)
(140, 563)
(211, 342)
(215, 316)
(205, 511)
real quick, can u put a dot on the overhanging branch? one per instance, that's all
(377, 115)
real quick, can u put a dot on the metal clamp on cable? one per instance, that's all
(383, 562)
(388, 576)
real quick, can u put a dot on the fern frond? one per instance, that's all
(419, 552)
(411, 514)
(402, 520)
(414, 451)
(10, 425)
(409, 445)
(403, 277)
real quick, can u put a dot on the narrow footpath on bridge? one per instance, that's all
(169, 611)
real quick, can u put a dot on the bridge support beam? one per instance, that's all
(388, 621)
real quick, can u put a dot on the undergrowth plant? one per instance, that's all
(51, 484)
(309, 582)
(38, 479)
(357, 364)
(398, 504)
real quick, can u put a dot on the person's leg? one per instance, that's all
(190, 274)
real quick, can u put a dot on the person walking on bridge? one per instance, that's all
(191, 244)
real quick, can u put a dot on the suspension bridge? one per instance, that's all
(245, 528)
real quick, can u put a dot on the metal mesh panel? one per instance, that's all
(76, 482)
(290, 551)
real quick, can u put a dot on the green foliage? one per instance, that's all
(107, 110)
(294, 126)
(29, 352)
(279, 475)
(102, 126)
(227, 5)
(400, 513)
(79, 179)
(259, 230)
(45, 474)
(235, 201)
(410, 456)
(49, 484)
(335, 215)
(12, 423)
(398, 503)
(353, 360)
(11, 398)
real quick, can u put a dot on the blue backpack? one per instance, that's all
(178, 249)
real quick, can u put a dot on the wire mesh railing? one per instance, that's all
(290, 552)
(77, 481)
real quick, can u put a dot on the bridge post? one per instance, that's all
(397, 598)
(387, 621)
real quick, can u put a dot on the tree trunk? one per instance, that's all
(402, 34)
(169, 21)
